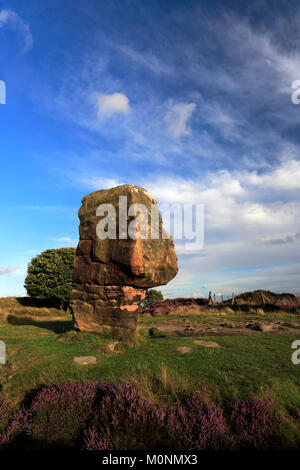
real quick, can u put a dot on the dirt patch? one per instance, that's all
(207, 344)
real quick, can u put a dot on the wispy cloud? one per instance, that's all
(149, 60)
(63, 239)
(68, 240)
(227, 116)
(7, 269)
(279, 241)
(11, 18)
(177, 118)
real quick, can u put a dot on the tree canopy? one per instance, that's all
(49, 275)
(152, 296)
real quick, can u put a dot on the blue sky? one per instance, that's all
(189, 99)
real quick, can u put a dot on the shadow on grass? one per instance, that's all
(60, 326)
(38, 303)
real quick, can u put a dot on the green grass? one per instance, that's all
(260, 364)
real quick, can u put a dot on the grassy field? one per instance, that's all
(41, 346)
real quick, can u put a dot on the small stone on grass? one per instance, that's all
(112, 346)
(183, 349)
(85, 360)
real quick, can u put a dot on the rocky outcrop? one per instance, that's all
(112, 275)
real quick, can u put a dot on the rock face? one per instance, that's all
(112, 274)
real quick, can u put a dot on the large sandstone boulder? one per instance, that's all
(112, 275)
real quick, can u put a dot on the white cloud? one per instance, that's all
(240, 205)
(177, 117)
(107, 105)
(286, 177)
(32, 251)
(196, 295)
(96, 182)
(11, 18)
(69, 240)
(231, 205)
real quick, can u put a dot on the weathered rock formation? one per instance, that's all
(112, 275)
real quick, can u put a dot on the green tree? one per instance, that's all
(49, 276)
(152, 296)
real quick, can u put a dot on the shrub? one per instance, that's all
(60, 412)
(198, 425)
(152, 296)
(254, 423)
(50, 274)
(125, 420)
(96, 416)
(18, 423)
(3, 411)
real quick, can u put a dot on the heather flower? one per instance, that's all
(95, 441)
(198, 425)
(124, 419)
(60, 412)
(98, 416)
(18, 424)
(3, 410)
(254, 422)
